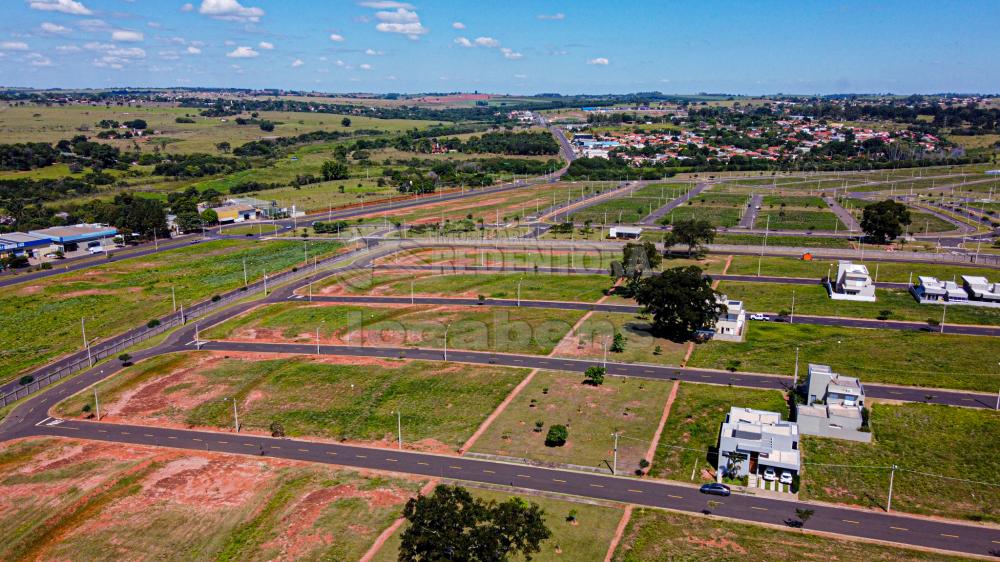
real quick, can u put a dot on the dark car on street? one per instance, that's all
(715, 489)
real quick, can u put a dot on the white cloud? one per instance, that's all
(373, 53)
(39, 60)
(192, 50)
(520, 76)
(127, 52)
(49, 27)
(599, 61)
(126, 35)
(458, 25)
(487, 42)
(14, 46)
(556, 16)
(336, 37)
(339, 62)
(65, 6)
(68, 49)
(169, 55)
(266, 46)
(511, 54)
(297, 63)
(385, 5)
(94, 25)
(153, 24)
(189, 7)
(230, 10)
(242, 53)
(402, 21)
(463, 42)
(365, 66)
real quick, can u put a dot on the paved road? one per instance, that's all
(753, 209)
(656, 215)
(843, 214)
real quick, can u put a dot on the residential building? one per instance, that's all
(852, 283)
(731, 321)
(931, 290)
(751, 441)
(834, 406)
(625, 232)
(980, 289)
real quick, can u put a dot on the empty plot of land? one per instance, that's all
(632, 207)
(596, 334)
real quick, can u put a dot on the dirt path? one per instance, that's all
(663, 421)
(391, 529)
(496, 413)
(619, 531)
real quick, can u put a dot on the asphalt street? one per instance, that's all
(657, 214)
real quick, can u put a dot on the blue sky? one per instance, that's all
(512, 46)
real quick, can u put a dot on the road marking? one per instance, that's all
(423, 463)
(249, 445)
(125, 433)
(949, 536)
(455, 467)
(171, 437)
(147, 434)
(758, 508)
(328, 452)
(522, 476)
(852, 522)
(635, 491)
(489, 471)
(195, 439)
(102, 431)
(304, 450)
(899, 528)
(676, 497)
(558, 480)
(362, 456)
(597, 485)
(223, 442)
(392, 460)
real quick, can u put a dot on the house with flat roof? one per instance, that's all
(625, 232)
(834, 406)
(932, 290)
(852, 283)
(77, 233)
(980, 289)
(753, 441)
(729, 326)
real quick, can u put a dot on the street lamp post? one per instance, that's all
(519, 292)
(614, 466)
(446, 327)
(892, 476)
(236, 415)
(86, 343)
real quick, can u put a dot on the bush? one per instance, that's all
(557, 436)
(152, 323)
(539, 425)
(595, 375)
(618, 343)
(125, 358)
(216, 298)
(85, 409)
(26, 380)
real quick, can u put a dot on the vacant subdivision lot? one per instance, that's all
(688, 444)
(591, 414)
(720, 215)
(773, 240)
(328, 397)
(818, 268)
(887, 356)
(632, 207)
(798, 219)
(501, 329)
(585, 537)
(925, 223)
(662, 536)
(597, 333)
(76, 500)
(922, 439)
(40, 320)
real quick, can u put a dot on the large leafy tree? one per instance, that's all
(334, 171)
(885, 220)
(693, 233)
(452, 525)
(681, 301)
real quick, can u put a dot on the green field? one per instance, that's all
(817, 268)
(794, 201)
(585, 540)
(505, 330)
(795, 219)
(630, 208)
(664, 536)
(640, 346)
(814, 300)
(40, 320)
(591, 414)
(348, 399)
(772, 240)
(718, 216)
(75, 500)
(889, 356)
(926, 223)
(691, 434)
(941, 440)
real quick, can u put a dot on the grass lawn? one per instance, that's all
(585, 540)
(640, 346)
(940, 440)
(926, 223)
(795, 219)
(630, 208)
(692, 430)
(653, 535)
(804, 241)
(350, 399)
(40, 320)
(241, 229)
(591, 414)
(76, 500)
(796, 201)
(718, 216)
(889, 356)
(506, 330)
(819, 267)
(814, 300)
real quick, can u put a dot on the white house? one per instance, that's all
(757, 443)
(980, 289)
(834, 405)
(852, 283)
(729, 325)
(931, 290)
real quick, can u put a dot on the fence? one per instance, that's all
(85, 359)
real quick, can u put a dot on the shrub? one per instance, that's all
(557, 436)
(26, 380)
(618, 343)
(216, 298)
(539, 425)
(152, 323)
(85, 409)
(595, 375)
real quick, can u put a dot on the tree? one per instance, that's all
(681, 301)
(803, 515)
(617, 343)
(557, 436)
(333, 170)
(885, 220)
(640, 257)
(346, 121)
(125, 358)
(452, 525)
(277, 430)
(223, 147)
(135, 124)
(209, 216)
(693, 233)
(595, 375)
(266, 126)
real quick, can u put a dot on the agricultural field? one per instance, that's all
(478, 328)
(664, 536)
(632, 207)
(815, 301)
(66, 499)
(590, 413)
(585, 537)
(888, 356)
(326, 397)
(597, 332)
(941, 440)
(40, 320)
(687, 447)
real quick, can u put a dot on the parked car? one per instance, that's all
(759, 316)
(786, 477)
(715, 489)
(769, 474)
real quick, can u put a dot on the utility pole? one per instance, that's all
(86, 344)
(519, 292)
(265, 282)
(795, 377)
(763, 243)
(97, 405)
(317, 340)
(944, 310)
(173, 298)
(245, 279)
(399, 427)
(614, 466)
(604, 344)
(892, 476)
(791, 319)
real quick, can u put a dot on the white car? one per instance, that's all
(759, 316)
(769, 474)
(786, 477)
